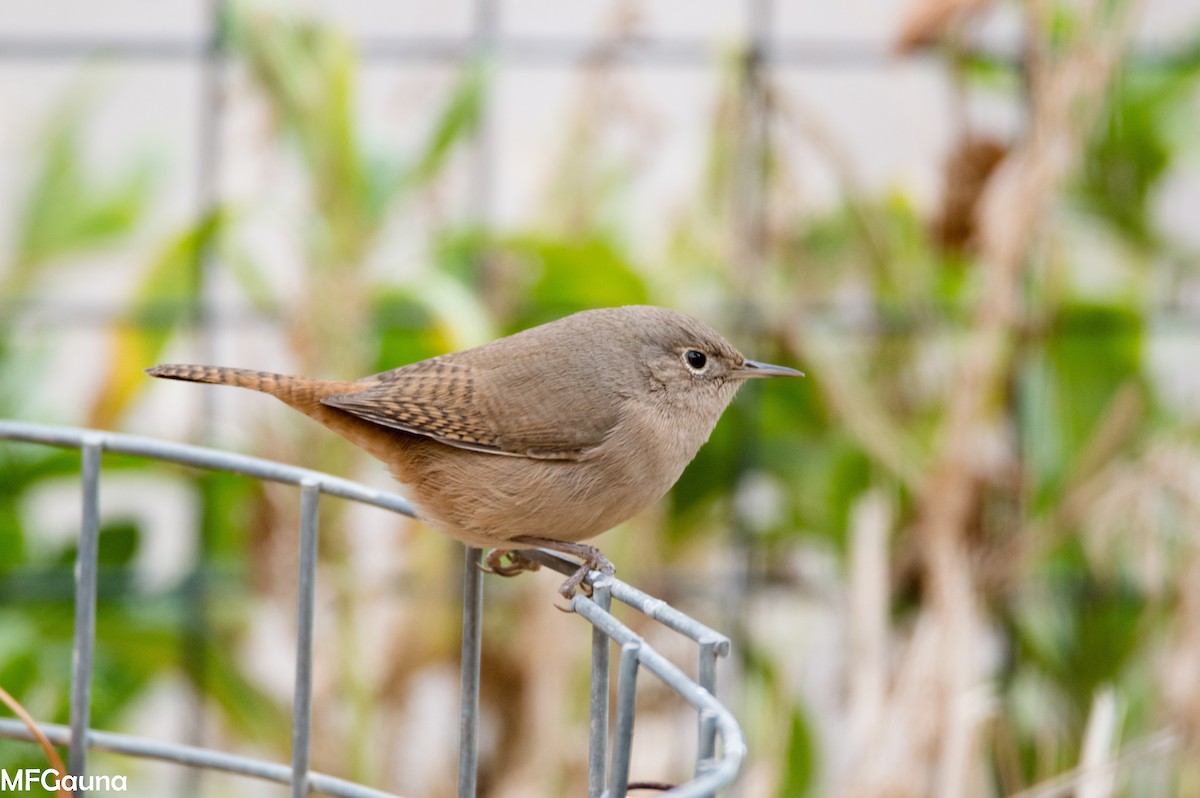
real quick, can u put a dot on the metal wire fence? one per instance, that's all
(716, 766)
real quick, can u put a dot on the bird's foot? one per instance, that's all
(517, 563)
(593, 559)
(593, 562)
(575, 584)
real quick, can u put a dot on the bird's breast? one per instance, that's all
(485, 499)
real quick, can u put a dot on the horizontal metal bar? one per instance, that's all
(635, 52)
(560, 50)
(40, 47)
(191, 756)
(203, 457)
(525, 50)
(568, 50)
(826, 316)
(668, 616)
(654, 608)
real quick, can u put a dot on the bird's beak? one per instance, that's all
(752, 368)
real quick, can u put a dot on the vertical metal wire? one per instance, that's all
(483, 167)
(306, 590)
(750, 165)
(195, 594)
(207, 164)
(706, 748)
(468, 712)
(598, 724)
(83, 651)
(483, 46)
(706, 741)
(618, 774)
(751, 198)
(707, 666)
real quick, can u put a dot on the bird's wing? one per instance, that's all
(507, 411)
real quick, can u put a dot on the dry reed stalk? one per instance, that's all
(1096, 478)
(1181, 660)
(870, 526)
(1178, 472)
(943, 666)
(1157, 744)
(1099, 742)
(52, 757)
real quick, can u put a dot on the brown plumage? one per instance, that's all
(544, 438)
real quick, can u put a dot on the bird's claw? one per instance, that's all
(595, 561)
(517, 563)
(575, 583)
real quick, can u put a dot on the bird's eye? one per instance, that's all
(695, 359)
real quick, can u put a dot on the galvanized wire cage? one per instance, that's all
(716, 765)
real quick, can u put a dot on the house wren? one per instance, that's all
(542, 439)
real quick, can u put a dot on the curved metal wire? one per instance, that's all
(606, 779)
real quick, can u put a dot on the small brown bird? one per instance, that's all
(541, 439)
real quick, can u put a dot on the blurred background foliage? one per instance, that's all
(808, 527)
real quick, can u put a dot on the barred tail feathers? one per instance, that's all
(263, 381)
(302, 393)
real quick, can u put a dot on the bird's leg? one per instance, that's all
(593, 560)
(517, 563)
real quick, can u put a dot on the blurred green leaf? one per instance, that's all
(1088, 353)
(249, 710)
(231, 507)
(800, 765)
(308, 73)
(164, 301)
(250, 278)
(708, 478)
(117, 545)
(406, 330)
(991, 72)
(457, 122)
(565, 275)
(1079, 629)
(1135, 143)
(68, 209)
